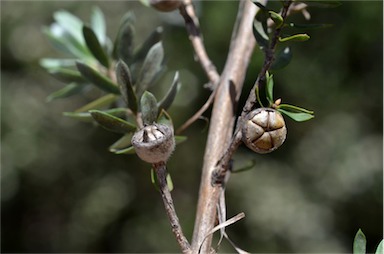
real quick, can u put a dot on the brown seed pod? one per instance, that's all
(154, 143)
(165, 5)
(264, 130)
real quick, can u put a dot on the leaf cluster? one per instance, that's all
(122, 72)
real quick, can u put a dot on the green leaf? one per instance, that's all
(298, 117)
(293, 108)
(296, 37)
(64, 42)
(282, 59)
(111, 122)
(165, 118)
(166, 102)
(66, 75)
(152, 39)
(98, 24)
(94, 46)
(123, 143)
(359, 243)
(169, 182)
(97, 79)
(151, 67)
(269, 88)
(124, 80)
(260, 5)
(54, 63)
(67, 91)
(149, 110)
(155, 181)
(71, 24)
(379, 249)
(123, 45)
(260, 33)
(180, 139)
(322, 4)
(128, 150)
(87, 117)
(277, 18)
(257, 94)
(99, 103)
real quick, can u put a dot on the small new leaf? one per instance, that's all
(111, 122)
(298, 117)
(123, 45)
(277, 18)
(379, 249)
(67, 91)
(97, 79)
(94, 46)
(148, 106)
(165, 118)
(359, 243)
(123, 143)
(124, 79)
(296, 37)
(98, 24)
(269, 88)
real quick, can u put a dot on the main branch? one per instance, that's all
(222, 122)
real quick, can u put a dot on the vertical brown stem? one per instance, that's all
(222, 121)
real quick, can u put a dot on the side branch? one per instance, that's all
(161, 173)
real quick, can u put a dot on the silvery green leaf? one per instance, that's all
(54, 63)
(124, 79)
(167, 101)
(379, 249)
(87, 117)
(66, 75)
(128, 150)
(260, 31)
(152, 39)
(359, 243)
(71, 24)
(97, 79)
(148, 106)
(123, 46)
(98, 24)
(122, 143)
(94, 46)
(112, 123)
(99, 103)
(67, 91)
(152, 66)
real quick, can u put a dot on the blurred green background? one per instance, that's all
(62, 191)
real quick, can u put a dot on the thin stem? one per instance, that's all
(161, 172)
(192, 25)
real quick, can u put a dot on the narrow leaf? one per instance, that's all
(67, 91)
(123, 45)
(309, 26)
(87, 117)
(359, 243)
(54, 63)
(149, 110)
(99, 103)
(66, 75)
(180, 139)
(277, 18)
(98, 24)
(166, 102)
(71, 24)
(123, 76)
(269, 88)
(151, 67)
(169, 182)
(111, 122)
(293, 108)
(260, 35)
(296, 37)
(298, 117)
(152, 39)
(260, 5)
(282, 59)
(128, 150)
(122, 143)
(94, 46)
(97, 79)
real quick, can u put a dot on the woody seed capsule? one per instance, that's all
(264, 130)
